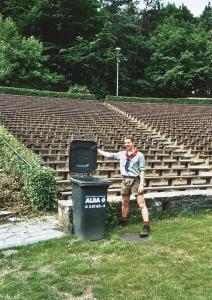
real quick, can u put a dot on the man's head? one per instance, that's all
(129, 143)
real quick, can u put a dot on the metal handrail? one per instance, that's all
(15, 152)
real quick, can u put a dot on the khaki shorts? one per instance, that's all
(130, 186)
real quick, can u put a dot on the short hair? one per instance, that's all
(129, 137)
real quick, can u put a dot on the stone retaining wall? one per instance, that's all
(156, 206)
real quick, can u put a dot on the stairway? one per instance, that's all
(175, 147)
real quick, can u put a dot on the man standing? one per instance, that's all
(132, 166)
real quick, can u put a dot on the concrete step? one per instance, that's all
(5, 215)
(114, 192)
(65, 206)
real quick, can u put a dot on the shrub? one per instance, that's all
(82, 89)
(40, 93)
(38, 180)
(159, 100)
(23, 60)
(13, 198)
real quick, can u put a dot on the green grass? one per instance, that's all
(175, 263)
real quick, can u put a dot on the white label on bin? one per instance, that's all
(95, 201)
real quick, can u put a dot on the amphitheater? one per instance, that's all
(175, 139)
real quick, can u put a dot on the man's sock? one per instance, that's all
(146, 223)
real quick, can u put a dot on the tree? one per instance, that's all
(96, 60)
(55, 22)
(21, 60)
(92, 62)
(179, 62)
(206, 17)
(155, 13)
(133, 50)
(116, 6)
(78, 40)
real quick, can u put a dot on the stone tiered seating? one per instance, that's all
(188, 125)
(173, 160)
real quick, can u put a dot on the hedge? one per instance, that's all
(40, 93)
(38, 180)
(159, 100)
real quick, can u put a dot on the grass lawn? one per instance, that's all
(175, 263)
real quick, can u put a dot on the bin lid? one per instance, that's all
(91, 181)
(82, 156)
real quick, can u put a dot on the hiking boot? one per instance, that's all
(146, 231)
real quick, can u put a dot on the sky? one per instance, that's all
(196, 7)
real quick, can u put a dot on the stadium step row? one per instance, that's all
(152, 163)
(197, 143)
(64, 174)
(151, 181)
(67, 195)
(186, 124)
(64, 142)
(28, 140)
(47, 122)
(106, 144)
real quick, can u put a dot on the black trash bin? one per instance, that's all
(89, 194)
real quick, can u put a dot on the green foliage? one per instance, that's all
(40, 93)
(13, 198)
(94, 60)
(159, 100)
(112, 214)
(179, 62)
(82, 89)
(21, 60)
(38, 181)
(133, 44)
(55, 22)
(206, 17)
(164, 48)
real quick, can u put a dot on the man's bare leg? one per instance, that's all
(124, 209)
(142, 205)
(145, 215)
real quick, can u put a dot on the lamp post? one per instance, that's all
(117, 70)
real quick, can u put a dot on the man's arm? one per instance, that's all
(104, 153)
(141, 186)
